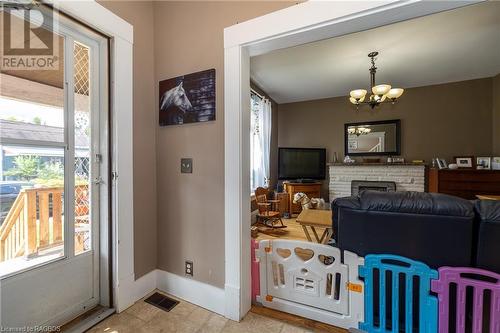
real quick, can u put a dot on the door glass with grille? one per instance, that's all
(83, 149)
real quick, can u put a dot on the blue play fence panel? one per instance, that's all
(398, 265)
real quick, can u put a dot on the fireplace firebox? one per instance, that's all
(363, 185)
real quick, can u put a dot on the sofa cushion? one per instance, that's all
(416, 203)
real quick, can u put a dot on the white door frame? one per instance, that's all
(300, 24)
(121, 90)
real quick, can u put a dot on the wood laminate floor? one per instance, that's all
(292, 231)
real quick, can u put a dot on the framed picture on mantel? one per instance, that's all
(465, 162)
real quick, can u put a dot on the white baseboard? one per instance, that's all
(199, 293)
(131, 290)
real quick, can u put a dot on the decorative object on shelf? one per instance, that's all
(495, 164)
(418, 161)
(348, 160)
(358, 130)
(483, 163)
(187, 99)
(396, 160)
(441, 163)
(335, 157)
(453, 166)
(465, 161)
(381, 93)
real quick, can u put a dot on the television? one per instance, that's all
(301, 163)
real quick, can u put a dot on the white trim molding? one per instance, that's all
(132, 290)
(199, 293)
(303, 23)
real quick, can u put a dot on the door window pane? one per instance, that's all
(82, 129)
(31, 164)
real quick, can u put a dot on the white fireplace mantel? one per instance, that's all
(408, 177)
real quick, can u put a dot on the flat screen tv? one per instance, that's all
(301, 163)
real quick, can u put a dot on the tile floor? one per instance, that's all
(188, 318)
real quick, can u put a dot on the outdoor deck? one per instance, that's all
(34, 227)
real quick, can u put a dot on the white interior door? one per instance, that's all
(53, 136)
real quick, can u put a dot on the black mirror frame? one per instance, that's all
(397, 122)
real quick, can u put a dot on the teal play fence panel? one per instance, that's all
(393, 305)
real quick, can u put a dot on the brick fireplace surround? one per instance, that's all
(408, 177)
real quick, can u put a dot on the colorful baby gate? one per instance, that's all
(397, 268)
(312, 281)
(483, 308)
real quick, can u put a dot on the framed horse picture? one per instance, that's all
(187, 99)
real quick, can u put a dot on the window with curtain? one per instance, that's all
(260, 141)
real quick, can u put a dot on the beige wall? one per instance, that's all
(496, 115)
(140, 15)
(189, 38)
(442, 120)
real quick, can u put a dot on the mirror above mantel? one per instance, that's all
(373, 138)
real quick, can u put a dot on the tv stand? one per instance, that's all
(304, 181)
(312, 190)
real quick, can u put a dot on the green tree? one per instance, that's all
(25, 167)
(51, 170)
(37, 120)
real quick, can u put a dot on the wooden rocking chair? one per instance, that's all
(269, 212)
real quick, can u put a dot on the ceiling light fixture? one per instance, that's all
(382, 93)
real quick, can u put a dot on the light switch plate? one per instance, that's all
(186, 165)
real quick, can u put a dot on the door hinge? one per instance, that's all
(114, 175)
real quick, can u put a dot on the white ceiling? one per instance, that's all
(457, 45)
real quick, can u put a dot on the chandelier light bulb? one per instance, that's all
(395, 93)
(358, 94)
(381, 89)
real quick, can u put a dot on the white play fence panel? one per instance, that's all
(315, 285)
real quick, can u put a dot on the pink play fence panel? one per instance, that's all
(255, 270)
(485, 305)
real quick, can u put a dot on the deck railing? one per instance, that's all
(35, 221)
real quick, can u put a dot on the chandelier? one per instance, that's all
(381, 93)
(358, 130)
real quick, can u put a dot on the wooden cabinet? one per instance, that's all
(464, 183)
(312, 190)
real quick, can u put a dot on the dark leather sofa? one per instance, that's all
(488, 235)
(437, 229)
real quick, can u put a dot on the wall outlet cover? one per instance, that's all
(188, 267)
(186, 165)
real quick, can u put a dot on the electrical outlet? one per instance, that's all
(186, 165)
(188, 267)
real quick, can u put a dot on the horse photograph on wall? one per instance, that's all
(187, 99)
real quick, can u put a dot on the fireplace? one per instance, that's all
(408, 177)
(363, 185)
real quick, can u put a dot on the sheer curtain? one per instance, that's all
(260, 141)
